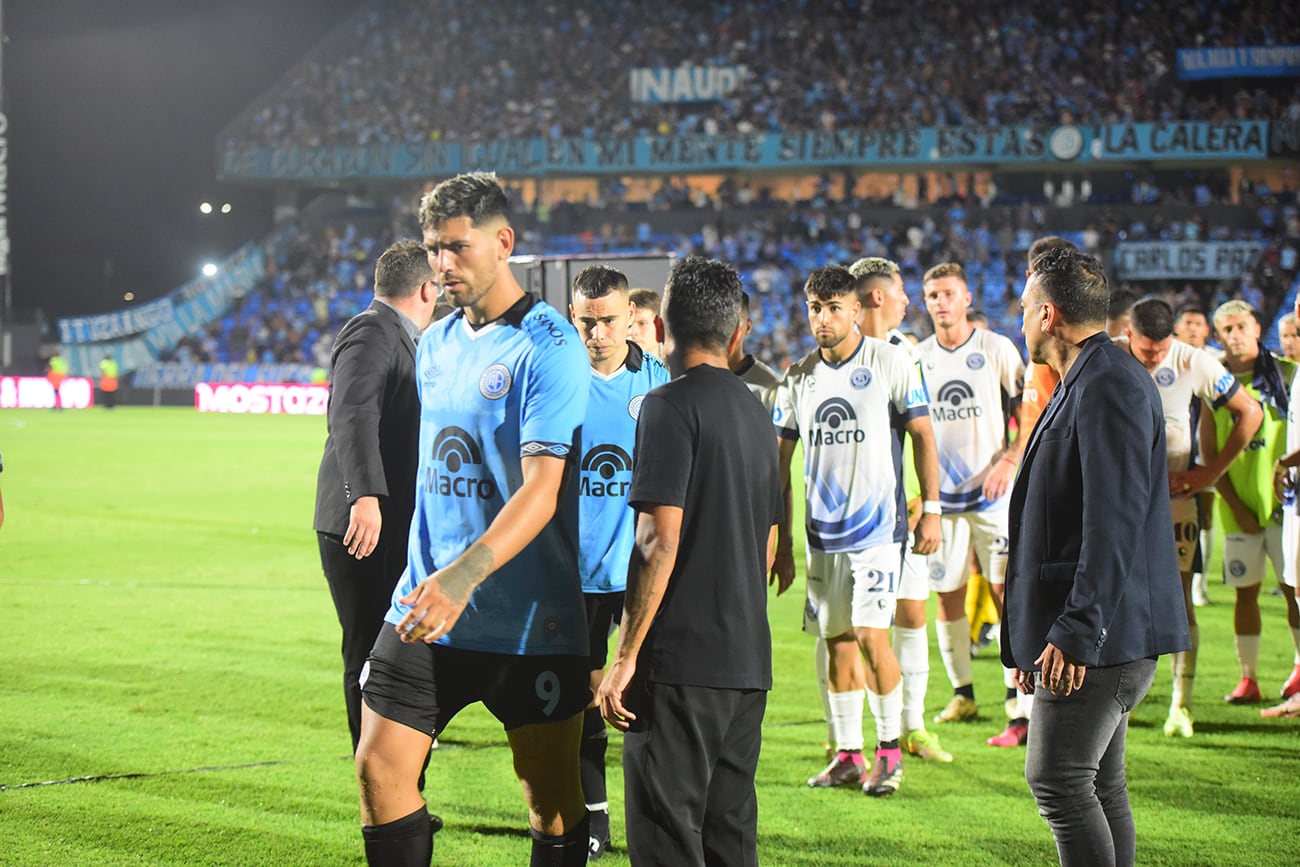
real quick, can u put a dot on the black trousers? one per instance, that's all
(362, 591)
(688, 773)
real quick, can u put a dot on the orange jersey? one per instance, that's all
(1040, 382)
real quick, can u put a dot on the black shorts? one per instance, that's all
(423, 686)
(604, 611)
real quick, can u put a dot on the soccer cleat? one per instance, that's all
(1014, 735)
(1292, 686)
(1289, 709)
(886, 774)
(925, 745)
(597, 834)
(1179, 722)
(1247, 692)
(846, 769)
(959, 709)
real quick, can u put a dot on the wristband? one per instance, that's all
(931, 507)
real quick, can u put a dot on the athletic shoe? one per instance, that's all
(597, 834)
(886, 774)
(924, 745)
(1289, 709)
(959, 709)
(847, 769)
(1247, 692)
(1179, 722)
(1292, 686)
(1014, 735)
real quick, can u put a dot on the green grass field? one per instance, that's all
(171, 690)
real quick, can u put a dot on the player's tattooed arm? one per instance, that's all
(436, 604)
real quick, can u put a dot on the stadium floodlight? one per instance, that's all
(226, 209)
(205, 208)
(209, 269)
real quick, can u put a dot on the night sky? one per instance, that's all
(114, 108)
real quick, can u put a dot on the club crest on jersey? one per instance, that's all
(835, 422)
(955, 401)
(976, 361)
(456, 450)
(1237, 568)
(634, 406)
(1164, 377)
(601, 466)
(860, 378)
(495, 382)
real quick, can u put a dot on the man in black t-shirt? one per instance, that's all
(688, 683)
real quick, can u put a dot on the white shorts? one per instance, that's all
(1290, 546)
(851, 589)
(1244, 556)
(915, 583)
(949, 567)
(1187, 531)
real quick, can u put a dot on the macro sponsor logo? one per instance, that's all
(261, 398)
(604, 472)
(835, 423)
(455, 449)
(955, 401)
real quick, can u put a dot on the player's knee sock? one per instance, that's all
(1025, 703)
(822, 663)
(846, 719)
(567, 850)
(954, 650)
(1247, 654)
(1295, 639)
(887, 709)
(591, 760)
(914, 660)
(405, 842)
(1207, 548)
(1184, 667)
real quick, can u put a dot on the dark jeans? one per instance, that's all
(1075, 763)
(688, 775)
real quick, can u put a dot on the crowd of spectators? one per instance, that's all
(317, 280)
(419, 70)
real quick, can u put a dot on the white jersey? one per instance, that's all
(845, 414)
(972, 389)
(761, 381)
(1185, 375)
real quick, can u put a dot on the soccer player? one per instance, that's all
(884, 303)
(1249, 508)
(1192, 328)
(688, 683)
(1287, 337)
(621, 375)
(1183, 375)
(1285, 485)
(975, 379)
(843, 400)
(761, 379)
(1121, 308)
(647, 327)
(490, 608)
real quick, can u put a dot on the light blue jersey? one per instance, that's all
(514, 388)
(606, 523)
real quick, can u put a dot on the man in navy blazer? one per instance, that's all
(365, 489)
(1093, 594)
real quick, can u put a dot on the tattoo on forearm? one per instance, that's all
(467, 572)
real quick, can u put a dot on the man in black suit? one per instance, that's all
(365, 491)
(1093, 594)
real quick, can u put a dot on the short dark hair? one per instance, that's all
(832, 281)
(1121, 302)
(744, 302)
(646, 299)
(702, 307)
(945, 269)
(1050, 242)
(1153, 318)
(977, 317)
(597, 281)
(476, 195)
(401, 269)
(1075, 284)
(1192, 308)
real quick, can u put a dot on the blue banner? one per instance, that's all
(809, 150)
(1250, 61)
(176, 375)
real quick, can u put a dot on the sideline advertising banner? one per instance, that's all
(1186, 260)
(261, 399)
(36, 392)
